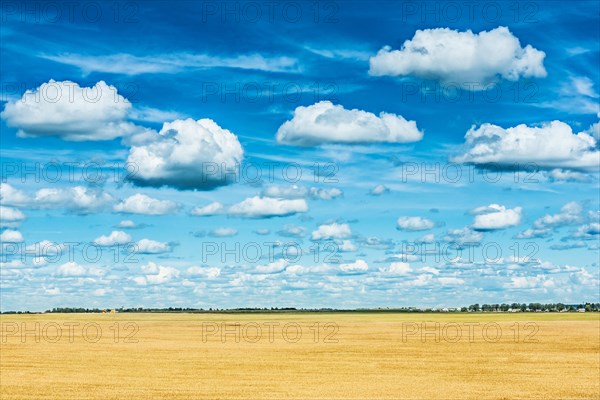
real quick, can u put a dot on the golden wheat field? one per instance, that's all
(300, 356)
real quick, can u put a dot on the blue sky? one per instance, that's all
(142, 190)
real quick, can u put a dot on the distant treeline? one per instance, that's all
(532, 307)
(504, 307)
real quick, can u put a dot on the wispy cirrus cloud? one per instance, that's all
(129, 64)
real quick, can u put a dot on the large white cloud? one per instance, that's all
(146, 205)
(266, 207)
(324, 122)
(71, 112)
(495, 216)
(552, 145)
(187, 154)
(461, 57)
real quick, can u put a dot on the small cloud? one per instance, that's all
(291, 230)
(378, 190)
(397, 269)
(207, 210)
(10, 217)
(148, 246)
(127, 224)
(115, 238)
(325, 194)
(267, 207)
(223, 232)
(495, 217)
(11, 236)
(332, 231)
(145, 205)
(414, 224)
(356, 267)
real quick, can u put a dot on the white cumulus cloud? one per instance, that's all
(66, 110)
(210, 272)
(187, 154)
(156, 274)
(266, 207)
(71, 269)
(115, 238)
(397, 268)
(464, 237)
(332, 231)
(272, 268)
(285, 192)
(414, 224)
(127, 224)
(223, 232)
(325, 194)
(207, 210)
(149, 246)
(570, 213)
(357, 266)
(551, 145)
(465, 58)
(12, 196)
(11, 236)
(10, 217)
(495, 216)
(79, 199)
(324, 122)
(142, 204)
(378, 190)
